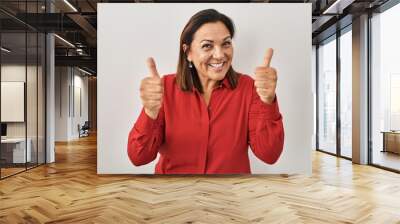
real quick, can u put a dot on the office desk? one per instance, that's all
(13, 150)
(391, 141)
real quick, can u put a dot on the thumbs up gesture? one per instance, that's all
(151, 90)
(266, 79)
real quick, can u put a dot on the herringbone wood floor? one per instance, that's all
(70, 191)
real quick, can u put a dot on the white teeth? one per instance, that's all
(217, 65)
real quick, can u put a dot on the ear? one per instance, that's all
(186, 49)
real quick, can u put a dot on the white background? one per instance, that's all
(129, 33)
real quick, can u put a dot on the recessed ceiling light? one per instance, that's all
(64, 40)
(84, 71)
(5, 50)
(70, 5)
(337, 7)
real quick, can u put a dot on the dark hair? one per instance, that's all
(187, 77)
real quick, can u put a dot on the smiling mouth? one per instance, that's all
(217, 65)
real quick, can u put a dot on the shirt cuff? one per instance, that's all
(144, 123)
(270, 111)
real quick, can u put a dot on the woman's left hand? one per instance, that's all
(266, 79)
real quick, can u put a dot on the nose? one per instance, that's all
(218, 53)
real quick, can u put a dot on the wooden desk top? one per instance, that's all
(391, 132)
(13, 140)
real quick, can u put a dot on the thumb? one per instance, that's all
(268, 57)
(151, 65)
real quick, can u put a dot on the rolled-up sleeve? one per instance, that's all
(266, 133)
(145, 138)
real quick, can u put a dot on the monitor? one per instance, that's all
(3, 129)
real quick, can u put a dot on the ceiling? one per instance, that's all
(77, 22)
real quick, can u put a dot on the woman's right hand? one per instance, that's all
(151, 91)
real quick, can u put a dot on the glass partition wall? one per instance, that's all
(13, 90)
(22, 88)
(334, 90)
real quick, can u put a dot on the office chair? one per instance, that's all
(84, 130)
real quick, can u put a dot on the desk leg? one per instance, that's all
(384, 142)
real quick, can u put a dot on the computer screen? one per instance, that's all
(3, 129)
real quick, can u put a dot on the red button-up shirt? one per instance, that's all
(193, 138)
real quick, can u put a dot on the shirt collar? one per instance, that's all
(223, 83)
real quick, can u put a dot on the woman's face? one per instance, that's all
(211, 51)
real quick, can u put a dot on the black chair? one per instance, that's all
(84, 130)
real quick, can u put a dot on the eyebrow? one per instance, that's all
(228, 37)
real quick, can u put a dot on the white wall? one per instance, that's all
(129, 33)
(12, 101)
(80, 84)
(68, 82)
(61, 103)
(13, 95)
(12, 73)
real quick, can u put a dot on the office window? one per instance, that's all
(385, 87)
(346, 93)
(327, 96)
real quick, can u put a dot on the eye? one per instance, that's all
(206, 46)
(227, 44)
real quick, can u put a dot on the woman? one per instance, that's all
(203, 118)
